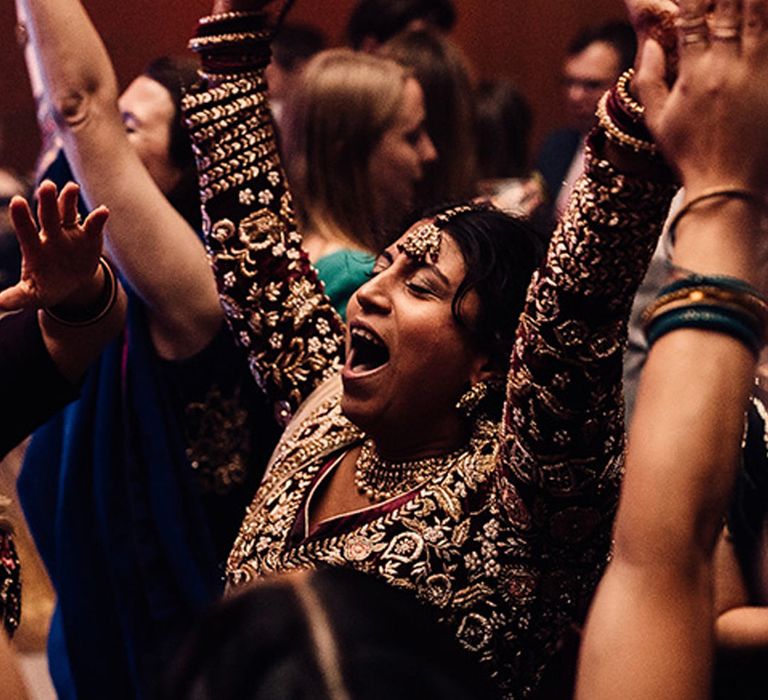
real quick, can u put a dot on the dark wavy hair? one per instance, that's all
(501, 253)
(618, 34)
(323, 635)
(176, 74)
(383, 19)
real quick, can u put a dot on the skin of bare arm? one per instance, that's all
(177, 286)
(650, 632)
(60, 267)
(13, 685)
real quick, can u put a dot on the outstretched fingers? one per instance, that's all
(24, 225)
(725, 28)
(692, 27)
(67, 206)
(48, 207)
(95, 222)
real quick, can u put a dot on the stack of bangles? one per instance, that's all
(621, 117)
(714, 303)
(100, 309)
(232, 43)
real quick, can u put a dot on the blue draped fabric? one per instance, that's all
(118, 519)
(133, 543)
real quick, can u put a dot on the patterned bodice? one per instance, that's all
(509, 541)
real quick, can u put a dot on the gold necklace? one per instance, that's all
(380, 480)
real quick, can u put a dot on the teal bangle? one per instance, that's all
(741, 315)
(718, 320)
(731, 284)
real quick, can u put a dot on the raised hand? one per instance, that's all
(655, 19)
(60, 261)
(710, 123)
(641, 11)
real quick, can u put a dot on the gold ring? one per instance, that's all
(725, 33)
(71, 224)
(695, 38)
(692, 24)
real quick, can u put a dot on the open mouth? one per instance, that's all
(367, 351)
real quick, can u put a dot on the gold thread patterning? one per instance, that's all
(508, 541)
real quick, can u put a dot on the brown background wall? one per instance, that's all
(522, 39)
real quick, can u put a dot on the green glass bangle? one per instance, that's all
(743, 316)
(717, 320)
(731, 284)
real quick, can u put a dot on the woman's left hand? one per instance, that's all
(60, 261)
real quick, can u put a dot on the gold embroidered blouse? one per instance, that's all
(508, 543)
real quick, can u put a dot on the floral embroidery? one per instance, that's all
(10, 583)
(509, 541)
(218, 439)
(246, 196)
(357, 548)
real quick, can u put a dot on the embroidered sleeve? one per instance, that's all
(271, 295)
(563, 430)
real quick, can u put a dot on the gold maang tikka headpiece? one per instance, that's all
(423, 244)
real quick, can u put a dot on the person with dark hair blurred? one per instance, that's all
(374, 22)
(468, 448)
(291, 51)
(134, 492)
(443, 73)
(322, 635)
(503, 123)
(594, 60)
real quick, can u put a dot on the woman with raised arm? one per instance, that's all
(650, 632)
(134, 494)
(401, 465)
(44, 353)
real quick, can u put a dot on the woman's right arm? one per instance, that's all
(270, 293)
(44, 354)
(650, 633)
(81, 88)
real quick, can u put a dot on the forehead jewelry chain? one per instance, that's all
(423, 244)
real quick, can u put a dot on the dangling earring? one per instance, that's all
(472, 398)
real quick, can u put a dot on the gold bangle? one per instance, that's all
(109, 294)
(226, 16)
(202, 42)
(707, 195)
(709, 296)
(617, 135)
(622, 92)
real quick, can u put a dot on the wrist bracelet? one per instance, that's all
(708, 195)
(105, 303)
(718, 320)
(618, 135)
(227, 16)
(633, 108)
(709, 302)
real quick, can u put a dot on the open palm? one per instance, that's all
(60, 257)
